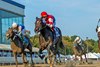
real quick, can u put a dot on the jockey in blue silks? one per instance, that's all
(21, 32)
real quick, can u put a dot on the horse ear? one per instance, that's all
(36, 17)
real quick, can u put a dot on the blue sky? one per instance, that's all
(73, 17)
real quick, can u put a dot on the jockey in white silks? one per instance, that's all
(78, 42)
(98, 29)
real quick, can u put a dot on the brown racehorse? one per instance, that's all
(17, 46)
(79, 51)
(46, 40)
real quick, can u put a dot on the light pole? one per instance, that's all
(87, 44)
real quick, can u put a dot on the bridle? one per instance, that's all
(40, 27)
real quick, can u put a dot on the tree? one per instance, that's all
(68, 42)
(35, 40)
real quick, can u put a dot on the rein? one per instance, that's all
(42, 28)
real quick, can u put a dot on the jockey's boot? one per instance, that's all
(25, 42)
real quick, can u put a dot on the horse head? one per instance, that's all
(38, 25)
(9, 33)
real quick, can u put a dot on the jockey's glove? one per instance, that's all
(15, 31)
(50, 25)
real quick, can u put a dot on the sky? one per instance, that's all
(73, 17)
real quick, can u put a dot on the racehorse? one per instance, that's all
(99, 40)
(17, 46)
(79, 51)
(46, 40)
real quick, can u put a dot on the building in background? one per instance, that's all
(10, 11)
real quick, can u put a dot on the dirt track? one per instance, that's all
(69, 64)
(45, 65)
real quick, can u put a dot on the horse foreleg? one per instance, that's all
(86, 58)
(57, 50)
(15, 56)
(49, 56)
(50, 60)
(31, 57)
(24, 59)
(59, 57)
(52, 56)
(81, 59)
(30, 49)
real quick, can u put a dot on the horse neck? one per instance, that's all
(46, 32)
(16, 41)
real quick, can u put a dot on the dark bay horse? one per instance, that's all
(17, 46)
(46, 40)
(79, 51)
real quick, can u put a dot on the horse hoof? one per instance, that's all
(31, 65)
(51, 66)
(26, 62)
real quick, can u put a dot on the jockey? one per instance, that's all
(98, 29)
(49, 20)
(78, 42)
(20, 29)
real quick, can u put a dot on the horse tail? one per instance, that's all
(61, 45)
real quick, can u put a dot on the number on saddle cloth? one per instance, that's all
(57, 33)
(26, 41)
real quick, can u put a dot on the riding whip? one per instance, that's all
(98, 22)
